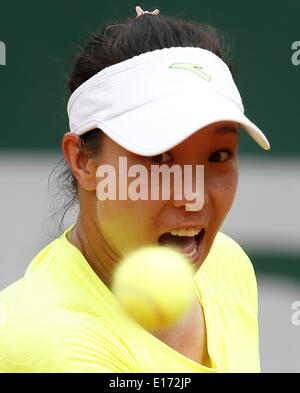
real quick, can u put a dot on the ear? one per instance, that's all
(83, 168)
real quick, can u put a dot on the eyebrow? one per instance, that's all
(227, 130)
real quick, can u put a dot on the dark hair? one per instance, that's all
(118, 42)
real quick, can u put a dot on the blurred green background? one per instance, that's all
(42, 39)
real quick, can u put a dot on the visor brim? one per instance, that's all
(159, 126)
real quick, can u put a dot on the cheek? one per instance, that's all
(127, 224)
(222, 190)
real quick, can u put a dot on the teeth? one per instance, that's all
(186, 232)
(192, 253)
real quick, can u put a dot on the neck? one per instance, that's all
(93, 247)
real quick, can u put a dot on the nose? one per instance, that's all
(191, 194)
(195, 205)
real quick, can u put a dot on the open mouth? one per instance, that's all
(188, 241)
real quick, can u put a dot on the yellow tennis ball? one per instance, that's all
(155, 286)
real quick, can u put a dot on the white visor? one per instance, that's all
(150, 103)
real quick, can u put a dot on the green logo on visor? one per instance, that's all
(195, 68)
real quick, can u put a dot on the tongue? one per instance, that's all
(185, 244)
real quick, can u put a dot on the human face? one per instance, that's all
(127, 224)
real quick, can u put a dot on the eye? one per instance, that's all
(222, 155)
(162, 158)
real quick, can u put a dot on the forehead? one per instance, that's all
(225, 128)
(220, 128)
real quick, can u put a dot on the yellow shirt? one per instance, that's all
(60, 317)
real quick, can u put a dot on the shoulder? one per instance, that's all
(230, 272)
(61, 318)
(229, 254)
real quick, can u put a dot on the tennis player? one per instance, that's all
(156, 90)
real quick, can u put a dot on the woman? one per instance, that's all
(152, 90)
